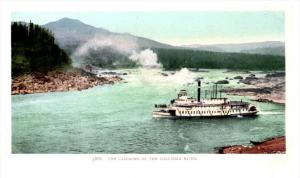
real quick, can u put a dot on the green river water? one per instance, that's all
(117, 118)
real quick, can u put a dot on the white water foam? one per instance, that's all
(184, 76)
(187, 149)
(183, 137)
(270, 113)
(255, 128)
(181, 77)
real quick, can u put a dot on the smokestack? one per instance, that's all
(199, 90)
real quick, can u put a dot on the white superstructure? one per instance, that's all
(185, 107)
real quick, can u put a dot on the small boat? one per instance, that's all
(256, 142)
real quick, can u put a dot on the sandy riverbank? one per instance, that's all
(56, 81)
(273, 145)
(270, 88)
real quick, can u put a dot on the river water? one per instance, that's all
(117, 118)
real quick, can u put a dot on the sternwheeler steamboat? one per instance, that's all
(214, 107)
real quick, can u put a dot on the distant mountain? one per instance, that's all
(266, 47)
(90, 45)
(97, 46)
(68, 31)
(71, 33)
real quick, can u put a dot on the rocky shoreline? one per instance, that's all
(273, 145)
(270, 88)
(58, 81)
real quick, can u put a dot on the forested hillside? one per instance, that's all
(34, 49)
(178, 58)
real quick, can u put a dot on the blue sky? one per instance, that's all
(179, 28)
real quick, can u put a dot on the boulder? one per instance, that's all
(248, 80)
(238, 77)
(164, 74)
(199, 78)
(222, 82)
(21, 86)
(276, 74)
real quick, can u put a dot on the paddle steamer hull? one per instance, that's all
(215, 107)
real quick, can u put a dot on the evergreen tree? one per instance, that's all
(177, 58)
(34, 49)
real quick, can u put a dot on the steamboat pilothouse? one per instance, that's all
(213, 107)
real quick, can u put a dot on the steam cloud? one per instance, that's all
(119, 43)
(122, 44)
(145, 58)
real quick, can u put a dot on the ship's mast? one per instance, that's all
(214, 92)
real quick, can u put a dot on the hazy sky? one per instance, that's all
(178, 28)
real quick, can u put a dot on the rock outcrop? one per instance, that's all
(222, 82)
(273, 145)
(238, 77)
(270, 88)
(56, 81)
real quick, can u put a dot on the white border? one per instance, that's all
(208, 165)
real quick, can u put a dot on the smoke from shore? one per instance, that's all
(116, 44)
(145, 58)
